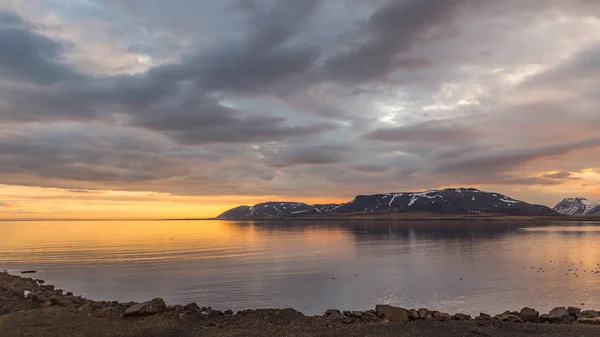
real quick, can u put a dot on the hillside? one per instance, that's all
(446, 201)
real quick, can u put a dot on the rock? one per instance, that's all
(442, 316)
(424, 313)
(589, 314)
(462, 317)
(413, 314)
(331, 311)
(178, 308)
(228, 312)
(559, 314)
(29, 272)
(40, 281)
(69, 293)
(48, 287)
(347, 313)
(586, 320)
(370, 316)
(334, 316)
(357, 314)
(506, 317)
(347, 320)
(483, 316)
(192, 307)
(544, 318)
(392, 314)
(155, 306)
(60, 301)
(573, 311)
(529, 315)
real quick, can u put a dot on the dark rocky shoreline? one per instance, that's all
(21, 297)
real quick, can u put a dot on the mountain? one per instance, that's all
(277, 209)
(578, 207)
(446, 201)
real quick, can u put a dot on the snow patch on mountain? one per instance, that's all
(578, 207)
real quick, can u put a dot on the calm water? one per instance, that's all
(455, 266)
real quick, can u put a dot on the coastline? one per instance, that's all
(29, 307)
(419, 217)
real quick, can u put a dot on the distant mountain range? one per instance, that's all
(578, 207)
(446, 201)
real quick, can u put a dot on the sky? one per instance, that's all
(184, 108)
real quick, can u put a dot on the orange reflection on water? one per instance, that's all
(92, 241)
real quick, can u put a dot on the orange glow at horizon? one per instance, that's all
(31, 203)
(24, 203)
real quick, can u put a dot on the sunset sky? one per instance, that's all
(184, 108)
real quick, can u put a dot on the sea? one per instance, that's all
(448, 265)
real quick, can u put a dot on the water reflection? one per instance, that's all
(467, 266)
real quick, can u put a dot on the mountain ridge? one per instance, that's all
(578, 207)
(445, 201)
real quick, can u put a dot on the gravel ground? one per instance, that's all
(80, 317)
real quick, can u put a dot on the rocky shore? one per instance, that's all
(29, 307)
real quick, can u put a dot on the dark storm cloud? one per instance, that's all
(389, 32)
(29, 56)
(171, 97)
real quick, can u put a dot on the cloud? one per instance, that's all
(388, 33)
(298, 98)
(440, 132)
(321, 154)
(504, 161)
(560, 175)
(31, 56)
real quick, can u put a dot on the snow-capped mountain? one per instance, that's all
(277, 209)
(447, 201)
(578, 206)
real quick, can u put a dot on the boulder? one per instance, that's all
(392, 314)
(357, 314)
(155, 306)
(507, 317)
(441, 316)
(462, 317)
(333, 316)
(228, 312)
(370, 316)
(559, 314)
(484, 316)
(529, 315)
(544, 318)
(413, 314)
(588, 314)
(424, 313)
(192, 307)
(60, 301)
(573, 311)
